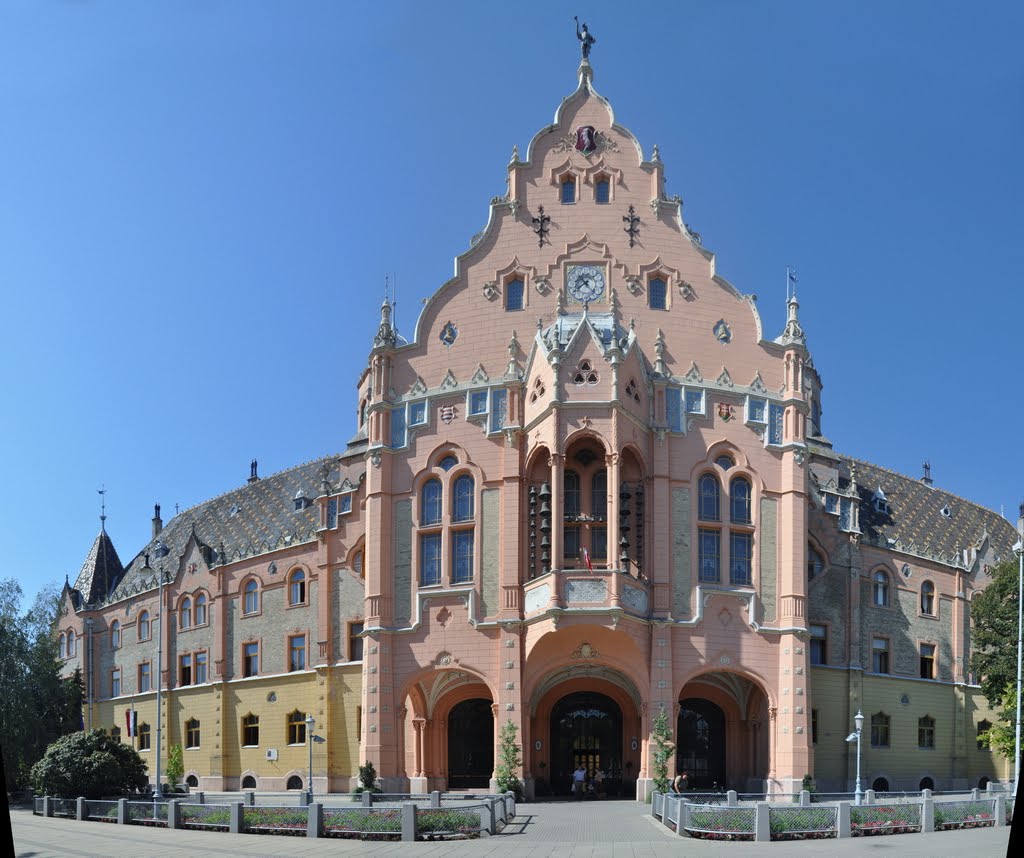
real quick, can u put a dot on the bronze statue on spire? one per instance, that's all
(585, 38)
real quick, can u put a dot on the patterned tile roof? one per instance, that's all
(923, 520)
(101, 570)
(253, 519)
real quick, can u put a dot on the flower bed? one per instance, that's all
(803, 823)
(951, 815)
(292, 821)
(885, 819)
(720, 823)
(382, 824)
(442, 824)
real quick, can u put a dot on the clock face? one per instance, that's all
(585, 283)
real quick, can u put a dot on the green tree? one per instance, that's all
(1001, 736)
(367, 779)
(36, 705)
(175, 765)
(994, 625)
(662, 737)
(509, 761)
(91, 765)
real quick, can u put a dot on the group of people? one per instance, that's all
(586, 786)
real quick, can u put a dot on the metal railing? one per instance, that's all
(964, 814)
(217, 816)
(147, 813)
(267, 817)
(901, 818)
(101, 810)
(790, 822)
(349, 821)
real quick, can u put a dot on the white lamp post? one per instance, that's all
(1018, 549)
(858, 721)
(309, 741)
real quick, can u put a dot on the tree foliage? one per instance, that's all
(1001, 737)
(662, 737)
(175, 765)
(92, 765)
(509, 761)
(36, 705)
(994, 630)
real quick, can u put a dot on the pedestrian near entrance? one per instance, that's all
(579, 782)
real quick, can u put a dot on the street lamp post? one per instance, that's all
(309, 741)
(158, 792)
(1018, 549)
(858, 721)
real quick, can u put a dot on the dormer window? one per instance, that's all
(514, 294)
(602, 190)
(568, 185)
(300, 501)
(880, 502)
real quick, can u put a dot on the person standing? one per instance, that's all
(579, 782)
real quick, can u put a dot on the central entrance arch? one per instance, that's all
(701, 742)
(471, 744)
(586, 729)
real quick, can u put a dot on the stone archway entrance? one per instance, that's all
(586, 729)
(471, 744)
(701, 743)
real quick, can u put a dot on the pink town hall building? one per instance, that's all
(588, 488)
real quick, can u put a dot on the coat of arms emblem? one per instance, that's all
(725, 411)
(586, 139)
(447, 413)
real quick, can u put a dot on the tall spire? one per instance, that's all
(102, 492)
(793, 333)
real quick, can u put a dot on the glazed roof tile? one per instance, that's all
(101, 570)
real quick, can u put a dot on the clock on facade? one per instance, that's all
(585, 283)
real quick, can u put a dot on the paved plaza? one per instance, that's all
(607, 829)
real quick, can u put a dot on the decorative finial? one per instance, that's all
(656, 154)
(515, 155)
(586, 40)
(659, 352)
(385, 332)
(513, 349)
(102, 492)
(560, 303)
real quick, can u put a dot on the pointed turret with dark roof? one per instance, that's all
(101, 571)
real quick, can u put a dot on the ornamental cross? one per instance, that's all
(632, 220)
(540, 226)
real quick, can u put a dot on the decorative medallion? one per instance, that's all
(586, 139)
(449, 334)
(447, 413)
(542, 285)
(272, 568)
(685, 290)
(725, 411)
(444, 659)
(586, 651)
(443, 617)
(722, 332)
(272, 697)
(632, 282)
(491, 290)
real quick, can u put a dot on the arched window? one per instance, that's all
(448, 462)
(192, 734)
(144, 628)
(880, 785)
(569, 189)
(514, 294)
(430, 502)
(815, 563)
(880, 588)
(250, 730)
(192, 781)
(185, 613)
(115, 734)
(251, 603)
(656, 293)
(739, 500)
(297, 728)
(357, 563)
(880, 730)
(725, 462)
(709, 492)
(248, 782)
(926, 732)
(115, 635)
(462, 498)
(297, 587)
(928, 598)
(201, 609)
(602, 190)
(63, 643)
(71, 644)
(983, 728)
(294, 782)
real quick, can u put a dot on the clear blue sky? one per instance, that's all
(199, 202)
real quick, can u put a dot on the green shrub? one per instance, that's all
(91, 765)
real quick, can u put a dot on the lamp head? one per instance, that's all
(858, 719)
(310, 721)
(852, 737)
(1018, 548)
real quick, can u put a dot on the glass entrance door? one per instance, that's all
(586, 729)
(701, 735)
(471, 745)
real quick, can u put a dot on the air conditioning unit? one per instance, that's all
(272, 754)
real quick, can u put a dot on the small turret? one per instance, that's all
(158, 523)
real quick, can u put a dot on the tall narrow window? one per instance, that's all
(355, 642)
(115, 635)
(185, 614)
(192, 735)
(144, 630)
(144, 737)
(880, 588)
(927, 661)
(514, 293)
(982, 736)
(709, 493)
(602, 191)
(297, 728)
(250, 659)
(599, 496)
(430, 502)
(251, 730)
(814, 726)
(252, 597)
(710, 555)
(879, 730)
(297, 588)
(739, 501)
(571, 493)
(297, 652)
(926, 732)
(656, 293)
(430, 559)
(115, 734)
(928, 598)
(815, 564)
(819, 644)
(145, 677)
(185, 669)
(115, 682)
(462, 500)
(462, 556)
(740, 550)
(880, 655)
(63, 646)
(72, 643)
(201, 609)
(201, 659)
(571, 506)
(569, 190)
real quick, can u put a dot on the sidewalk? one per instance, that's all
(606, 829)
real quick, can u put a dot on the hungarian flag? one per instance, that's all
(131, 718)
(586, 559)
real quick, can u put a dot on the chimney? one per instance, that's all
(927, 478)
(158, 524)
(253, 476)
